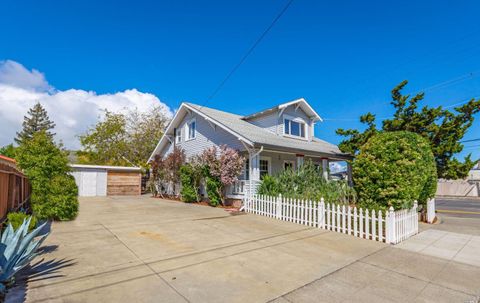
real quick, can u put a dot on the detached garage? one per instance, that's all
(99, 180)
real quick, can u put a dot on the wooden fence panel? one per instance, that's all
(14, 188)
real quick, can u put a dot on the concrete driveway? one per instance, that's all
(141, 249)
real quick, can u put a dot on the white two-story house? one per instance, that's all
(271, 140)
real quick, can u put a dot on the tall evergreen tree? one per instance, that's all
(443, 129)
(36, 120)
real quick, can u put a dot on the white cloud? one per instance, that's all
(73, 110)
(14, 74)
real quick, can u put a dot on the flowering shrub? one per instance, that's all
(166, 170)
(224, 164)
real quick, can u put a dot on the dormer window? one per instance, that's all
(294, 127)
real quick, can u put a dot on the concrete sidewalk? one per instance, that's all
(151, 250)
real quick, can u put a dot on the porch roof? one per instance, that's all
(262, 137)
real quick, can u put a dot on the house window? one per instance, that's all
(247, 169)
(264, 168)
(294, 128)
(287, 164)
(191, 129)
(178, 135)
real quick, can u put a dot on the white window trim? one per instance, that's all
(269, 159)
(178, 135)
(289, 161)
(187, 130)
(298, 120)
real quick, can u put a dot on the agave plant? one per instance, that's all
(17, 249)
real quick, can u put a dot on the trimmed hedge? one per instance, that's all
(394, 169)
(58, 200)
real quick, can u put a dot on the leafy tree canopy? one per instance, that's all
(123, 139)
(36, 120)
(442, 128)
(8, 151)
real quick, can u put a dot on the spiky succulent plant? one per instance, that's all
(18, 248)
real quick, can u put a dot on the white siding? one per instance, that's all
(273, 123)
(206, 137)
(268, 122)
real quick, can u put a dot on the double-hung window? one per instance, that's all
(178, 135)
(191, 129)
(294, 128)
(264, 167)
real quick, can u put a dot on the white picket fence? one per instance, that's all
(389, 226)
(430, 210)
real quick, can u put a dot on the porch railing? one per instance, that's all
(243, 187)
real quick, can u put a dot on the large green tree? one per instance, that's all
(36, 120)
(123, 139)
(106, 142)
(443, 129)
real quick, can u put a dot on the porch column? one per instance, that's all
(299, 160)
(349, 173)
(254, 158)
(325, 168)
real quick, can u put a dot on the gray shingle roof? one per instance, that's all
(260, 136)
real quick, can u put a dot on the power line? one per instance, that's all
(447, 83)
(250, 50)
(443, 84)
(471, 140)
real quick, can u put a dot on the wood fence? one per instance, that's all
(389, 226)
(14, 187)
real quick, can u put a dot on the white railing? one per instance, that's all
(238, 187)
(430, 210)
(389, 226)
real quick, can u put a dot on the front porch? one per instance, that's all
(271, 162)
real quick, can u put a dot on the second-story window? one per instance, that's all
(294, 128)
(178, 135)
(191, 129)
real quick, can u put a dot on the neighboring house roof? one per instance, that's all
(254, 135)
(7, 159)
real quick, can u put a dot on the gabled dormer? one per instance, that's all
(294, 119)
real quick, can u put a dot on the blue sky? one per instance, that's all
(343, 57)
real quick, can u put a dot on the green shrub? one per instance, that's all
(54, 192)
(213, 186)
(269, 186)
(58, 201)
(307, 182)
(394, 169)
(189, 192)
(17, 218)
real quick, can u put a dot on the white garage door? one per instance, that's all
(91, 182)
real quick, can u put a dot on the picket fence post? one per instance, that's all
(430, 210)
(279, 206)
(321, 214)
(390, 226)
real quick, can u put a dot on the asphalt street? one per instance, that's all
(458, 207)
